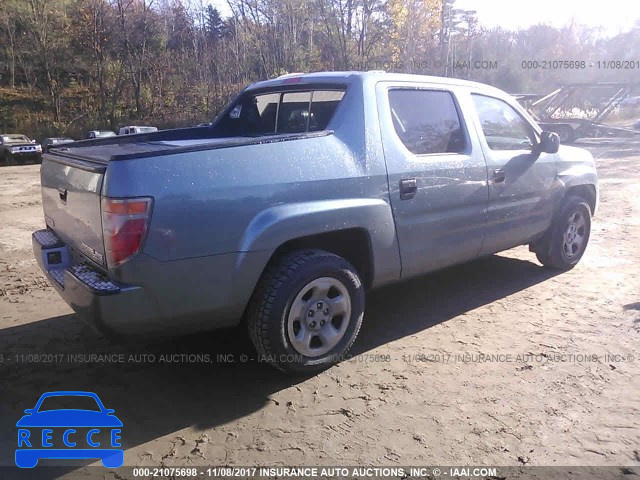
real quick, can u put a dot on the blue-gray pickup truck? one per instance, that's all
(307, 190)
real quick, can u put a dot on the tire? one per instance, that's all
(9, 159)
(566, 240)
(321, 287)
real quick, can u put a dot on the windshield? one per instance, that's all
(268, 113)
(69, 402)
(15, 139)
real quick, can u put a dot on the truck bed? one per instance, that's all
(166, 142)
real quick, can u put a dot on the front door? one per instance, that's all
(520, 182)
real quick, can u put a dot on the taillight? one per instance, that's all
(124, 225)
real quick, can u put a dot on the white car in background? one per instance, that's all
(136, 129)
(100, 133)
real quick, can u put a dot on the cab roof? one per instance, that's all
(369, 76)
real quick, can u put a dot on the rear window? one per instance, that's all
(270, 113)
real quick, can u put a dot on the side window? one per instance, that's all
(427, 121)
(502, 125)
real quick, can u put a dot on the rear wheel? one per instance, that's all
(306, 311)
(566, 240)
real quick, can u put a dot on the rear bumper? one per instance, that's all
(112, 308)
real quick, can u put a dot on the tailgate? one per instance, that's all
(71, 202)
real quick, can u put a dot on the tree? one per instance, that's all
(9, 32)
(214, 26)
(48, 24)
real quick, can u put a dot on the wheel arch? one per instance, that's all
(352, 244)
(587, 192)
(360, 230)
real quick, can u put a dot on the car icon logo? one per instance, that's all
(52, 430)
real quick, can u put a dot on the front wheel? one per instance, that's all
(9, 159)
(567, 238)
(306, 311)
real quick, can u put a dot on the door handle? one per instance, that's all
(499, 176)
(408, 188)
(63, 193)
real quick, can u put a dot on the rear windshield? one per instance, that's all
(268, 113)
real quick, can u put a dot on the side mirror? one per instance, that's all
(549, 143)
(29, 411)
(109, 411)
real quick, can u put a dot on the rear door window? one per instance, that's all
(427, 121)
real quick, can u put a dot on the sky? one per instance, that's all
(221, 5)
(613, 16)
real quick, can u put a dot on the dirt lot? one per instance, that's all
(562, 387)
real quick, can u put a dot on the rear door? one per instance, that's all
(437, 176)
(520, 183)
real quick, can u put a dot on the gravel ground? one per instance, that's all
(497, 362)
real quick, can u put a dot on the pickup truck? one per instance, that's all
(307, 191)
(18, 149)
(49, 142)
